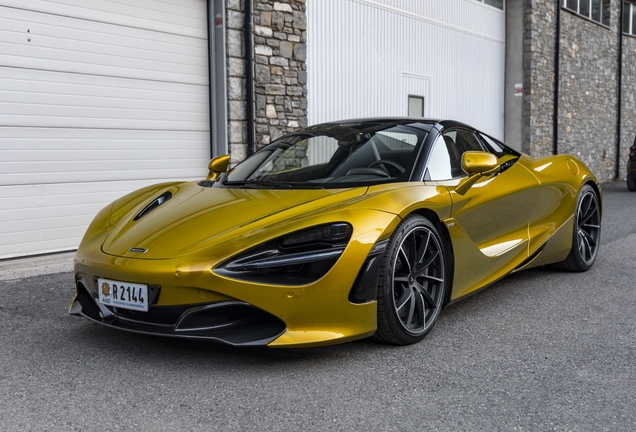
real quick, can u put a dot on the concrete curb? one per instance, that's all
(34, 266)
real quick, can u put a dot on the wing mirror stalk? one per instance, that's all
(217, 166)
(477, 164)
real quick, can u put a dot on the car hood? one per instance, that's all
(198, 217)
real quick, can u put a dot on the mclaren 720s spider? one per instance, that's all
(337, 232)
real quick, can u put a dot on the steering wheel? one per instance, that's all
(388, 162)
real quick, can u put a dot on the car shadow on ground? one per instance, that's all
(453, 323)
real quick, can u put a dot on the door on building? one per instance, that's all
(96, 99)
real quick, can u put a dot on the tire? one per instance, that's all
(412, 282)
(587, 232)
(631, 182)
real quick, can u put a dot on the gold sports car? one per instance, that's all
(337, 232)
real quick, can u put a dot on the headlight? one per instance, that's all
(298, 258)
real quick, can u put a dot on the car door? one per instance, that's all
(489, 223)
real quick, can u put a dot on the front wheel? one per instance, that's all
(587, 232)
(412, 283)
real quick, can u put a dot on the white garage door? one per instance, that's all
(97, 98)
(447, 55)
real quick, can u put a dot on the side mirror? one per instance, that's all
(474, 162)
(217, 166)
(477, 164)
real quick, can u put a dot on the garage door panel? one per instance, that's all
(453, 31)
(15, 137)
(60, 83)
(69, 194)
(186, 8)
(24, 208)
(35, 155)
(52, 224)
(44, 241)
(114, 118)
(100, 49)
(24, 55)
(129, 14)
(151, 109)
(69, 31)
(20, 56)
(38, 233)
(71, 122)
(106, 97)
(88, 171)
(53, 212)
(30, 152)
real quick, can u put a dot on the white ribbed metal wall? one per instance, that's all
(97, 98)
(365, 57)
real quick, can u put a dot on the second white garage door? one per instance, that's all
(97, 98)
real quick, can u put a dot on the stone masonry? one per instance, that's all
(588, 86)
(538, 81)
(280, 72)
(588, 96)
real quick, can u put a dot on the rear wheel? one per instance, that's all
(631, 181)
(412, 282)
(587, 232)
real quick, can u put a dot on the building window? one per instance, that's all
(416, 106)
(629, 18)
(499, 4)
(596, 10)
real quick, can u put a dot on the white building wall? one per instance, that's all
(97, 98)
(366, 57)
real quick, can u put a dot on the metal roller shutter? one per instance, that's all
(97, 98)
(448, 53)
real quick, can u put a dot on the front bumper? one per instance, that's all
(241, 312)
(229, 322)
(226, 311)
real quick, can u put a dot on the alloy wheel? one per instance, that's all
(418, 280)
(588, 220)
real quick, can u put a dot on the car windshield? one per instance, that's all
(332, 156)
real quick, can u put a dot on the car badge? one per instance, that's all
(140, 250)
(105, 289)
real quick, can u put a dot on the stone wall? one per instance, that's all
(588, 81)
(280, 71)
(538, 81)
(588, 104)
(235, 57)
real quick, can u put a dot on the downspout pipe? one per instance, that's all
(557, 54)
(211, 79)
(619, 94)
(249, 77)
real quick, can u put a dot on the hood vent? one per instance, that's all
(154, 204)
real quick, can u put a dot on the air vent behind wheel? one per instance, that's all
(154, 204)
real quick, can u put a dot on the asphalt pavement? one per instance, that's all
(539, 350)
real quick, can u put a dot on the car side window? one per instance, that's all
(464, 141)
(445, 159)
(439, 162)
(494, 146)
